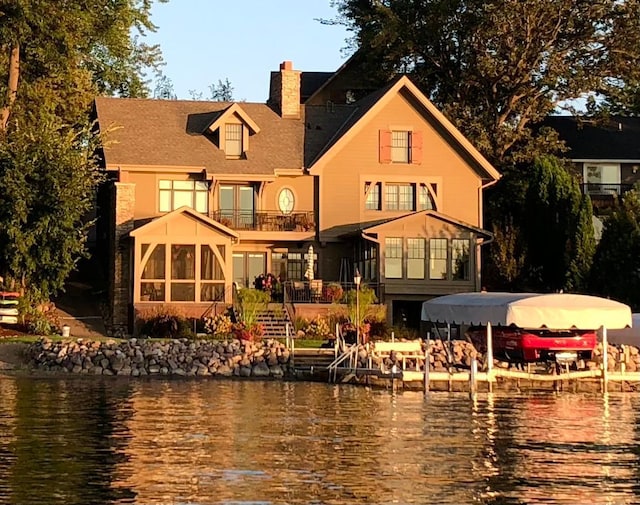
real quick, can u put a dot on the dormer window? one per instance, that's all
(233, 140)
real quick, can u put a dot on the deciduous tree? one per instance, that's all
(55, 57)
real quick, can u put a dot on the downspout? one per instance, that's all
(480, 242)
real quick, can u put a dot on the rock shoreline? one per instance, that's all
(244, 359)
(138, 358)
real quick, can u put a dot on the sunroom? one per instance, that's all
(182, 258)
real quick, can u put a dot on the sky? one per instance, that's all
(206, 41)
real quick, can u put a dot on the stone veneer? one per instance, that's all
(124, 200)
(285, 91)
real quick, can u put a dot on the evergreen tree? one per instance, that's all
(616, 265)
(544, 228)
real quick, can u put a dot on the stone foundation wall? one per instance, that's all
(461, 353)
(137, 358)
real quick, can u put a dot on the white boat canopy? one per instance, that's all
(556, 311)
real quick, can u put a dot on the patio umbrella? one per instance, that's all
(309, 272)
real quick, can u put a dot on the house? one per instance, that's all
(606, 154)
(203, 197)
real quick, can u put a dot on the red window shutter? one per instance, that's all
(416, 147)
(385, 146)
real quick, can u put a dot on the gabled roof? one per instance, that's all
(173, 133)
(310, 82)
(371, 104)
(190, 212)
(234, 109)
(373, 228)
(617, 140)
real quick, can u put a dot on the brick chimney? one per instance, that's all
(284, 91)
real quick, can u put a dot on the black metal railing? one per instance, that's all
(322, 291)
(604, 189)
(265, 220)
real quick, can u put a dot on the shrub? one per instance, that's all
(220, 324)
(163, 322)
(318, 328)
(300, 324)
(38, 319)
(334, 292)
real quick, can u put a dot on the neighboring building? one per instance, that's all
(206, 196)
(606, 155)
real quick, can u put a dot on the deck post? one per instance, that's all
(605, 360)
(426, 368)
(489, 357)
(473, 378)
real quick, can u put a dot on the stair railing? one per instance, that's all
(350, 355)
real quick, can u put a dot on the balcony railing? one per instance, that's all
(265, 221)
(604, 189)
(322, 291)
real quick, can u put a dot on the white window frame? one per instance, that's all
(171, 195)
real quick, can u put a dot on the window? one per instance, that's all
(393, 258)
(372, 192)
(211, 274)
(400, 142)
(286, 201)
(425, 199)
(438, 258)
(294, 266)
(247, 266)
(370, 270)
(176, 194)
(237, 206)
(233, 140)
(603, 178)
(415, 258)
(460, 259)
(153, 274)
(182, 274)
(400, 146)
(399, 197)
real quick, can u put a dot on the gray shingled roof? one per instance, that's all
(617, 139)
(168, 132)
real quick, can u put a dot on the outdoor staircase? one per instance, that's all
(274, 320)
(313, 360)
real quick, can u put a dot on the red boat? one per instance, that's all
(521, 345)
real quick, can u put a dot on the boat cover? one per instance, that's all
(556, 311)
(627, 336)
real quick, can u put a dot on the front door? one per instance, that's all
(247, 266)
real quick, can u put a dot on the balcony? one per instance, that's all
(265, 220)
(319, 291)
(605, 189)
(605, 196)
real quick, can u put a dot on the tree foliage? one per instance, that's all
(47, 176)
(616, 265)
(544, 231)
(495, 67)
(55, 57)
(221, 92)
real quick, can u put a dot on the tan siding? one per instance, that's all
(302, 187)
(342, 188)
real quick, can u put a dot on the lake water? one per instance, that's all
(87, 440)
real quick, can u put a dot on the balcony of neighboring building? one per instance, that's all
(604, 196)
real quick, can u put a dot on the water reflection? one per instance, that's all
(83, 440)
